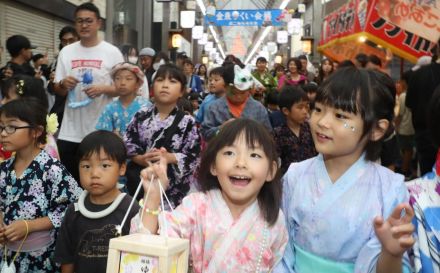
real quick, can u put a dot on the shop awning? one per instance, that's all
(358, 27)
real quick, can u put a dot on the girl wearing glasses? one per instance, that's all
(35, 190)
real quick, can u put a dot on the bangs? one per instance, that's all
(170, 71)
(106, 141)
(254, 134)
(343, 90)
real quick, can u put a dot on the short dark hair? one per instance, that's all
(185, 105)
(187, 61)
(296, 61)
(362, 59)
(37, 56)
(368, 92)
(67, 29)
(109, 142)
(272, 98)
(346, 63)
(290, 95)
(217, 71)
(261, 59)
(269, 197)
(29, 110)
(280, 67)
(375, 60)
(171, 71)
(90, 7)
(302, 57)
(229, 74)
(193, 96)
(310, 87)
(434, 116)
(25, 86)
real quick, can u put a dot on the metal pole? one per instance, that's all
(109, 21)
(165, 26)
(147, 11)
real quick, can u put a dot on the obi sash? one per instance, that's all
(35, 241)
(306, 262)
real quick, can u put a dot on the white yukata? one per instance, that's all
(331, 224)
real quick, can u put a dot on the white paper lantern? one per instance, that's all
(282, 37)
(209, 46)
(272, 47)
(187, 18)
(204, 39)
(197, 32)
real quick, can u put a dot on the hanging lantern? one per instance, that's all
(197, 32)
(282, 37)
(187, 18)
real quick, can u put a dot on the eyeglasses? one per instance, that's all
(9, 129)
(86, 21)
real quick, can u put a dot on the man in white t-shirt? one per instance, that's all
(83, 75)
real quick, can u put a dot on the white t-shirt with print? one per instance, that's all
(90, 66)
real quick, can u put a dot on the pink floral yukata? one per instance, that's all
(218, 243)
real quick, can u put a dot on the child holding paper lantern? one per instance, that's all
(234, 224)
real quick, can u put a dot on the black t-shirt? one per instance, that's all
(84, 242)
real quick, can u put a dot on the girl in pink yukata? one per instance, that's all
(234, 223)
(344, 212)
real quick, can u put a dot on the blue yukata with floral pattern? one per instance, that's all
(146, 129)
(44, 189)
(115, 117)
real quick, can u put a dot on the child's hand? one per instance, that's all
(156, 170)
(16, 231)
(152, 156)
(395, 234)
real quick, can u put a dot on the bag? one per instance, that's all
(134, 170)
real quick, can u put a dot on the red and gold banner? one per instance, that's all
(369, 24)
(421, 17)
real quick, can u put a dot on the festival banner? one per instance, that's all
(272, 17)
(403, 43)
(341, 23)
(421, 17)
(369, 24)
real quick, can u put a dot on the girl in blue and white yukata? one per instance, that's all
(345, 213)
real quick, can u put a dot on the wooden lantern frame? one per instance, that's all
(165, 249)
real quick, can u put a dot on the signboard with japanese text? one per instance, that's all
(340, 23)
(422, 17)
(403, 43)
(246, 18)
(340, 27)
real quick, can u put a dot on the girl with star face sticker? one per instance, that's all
(346, 213)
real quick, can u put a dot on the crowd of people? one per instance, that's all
(283, 169)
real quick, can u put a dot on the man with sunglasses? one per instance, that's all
(83, 75)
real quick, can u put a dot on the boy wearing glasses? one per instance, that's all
(83, 76)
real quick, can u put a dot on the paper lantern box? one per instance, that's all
(146, 253)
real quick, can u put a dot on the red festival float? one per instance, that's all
(409, 28)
